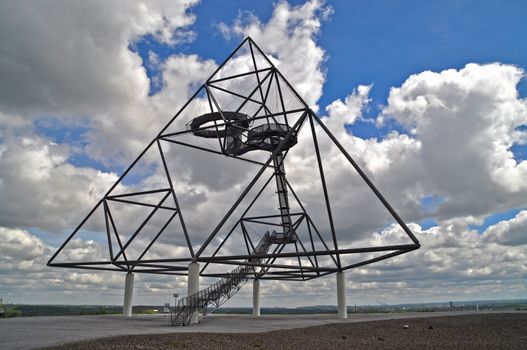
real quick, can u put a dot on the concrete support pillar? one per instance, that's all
(341, 295)
(128, 294)
(193, 285)
(256, 298)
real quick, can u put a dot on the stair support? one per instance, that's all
(341, 295)
(193, 286)
(128, 294)
(256, 298)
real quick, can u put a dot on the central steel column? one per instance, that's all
(193, 285)
(341, 295)
(128, 294)
(281, 189)
(256, 298)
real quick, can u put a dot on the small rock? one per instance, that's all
(406, 326)
(430, 327)
(343, 337)
(380, 338)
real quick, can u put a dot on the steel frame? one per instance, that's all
(267, 268)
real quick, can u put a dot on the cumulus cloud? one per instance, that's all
(79, 63)
(512, 232)
(454, 263)
(120, 133)
(25, 277)
(466, 121)
(81, 68)
(454, 259)
(461, 125)
(289, 37)
(458, 150)
(39, 188)
(75, 62)
(347, 111)
(462, 122)
(19, 245)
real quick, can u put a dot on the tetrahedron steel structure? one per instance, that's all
(246, 113)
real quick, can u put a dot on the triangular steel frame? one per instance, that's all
(268, 269)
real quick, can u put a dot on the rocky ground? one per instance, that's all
(484, 331)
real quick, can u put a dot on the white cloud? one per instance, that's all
(512, 232)
(453, 262)
(458, 151)
(39, 188)
(465, 121)
(120, 134)
(74, 58)
(80, 67)
(18, 245)
(452, 259)
(348, 111)
(25, 277)
(289, 37)
(74, 61)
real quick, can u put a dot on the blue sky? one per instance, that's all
(367, 43)
(388, 41)
(378, 43)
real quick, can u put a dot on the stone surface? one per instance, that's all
(34, 332)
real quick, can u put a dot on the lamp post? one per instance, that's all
(176, 295)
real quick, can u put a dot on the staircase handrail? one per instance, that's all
(191, 303)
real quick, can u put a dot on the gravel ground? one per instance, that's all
(484, 331)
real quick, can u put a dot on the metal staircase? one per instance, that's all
(207, 300)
